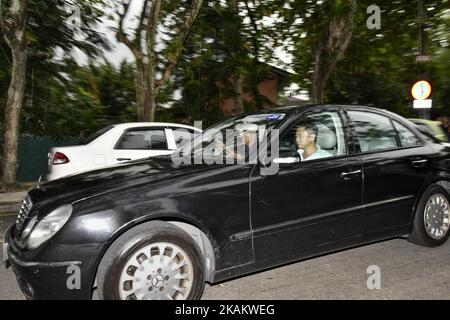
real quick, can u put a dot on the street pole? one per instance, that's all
(422, 58)
(422, 21)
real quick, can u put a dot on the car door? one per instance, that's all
(308, 205)
(395, 163)
(142, 142)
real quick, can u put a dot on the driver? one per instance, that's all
(308, 149)
(247, 142)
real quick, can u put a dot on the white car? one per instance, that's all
(118, 144)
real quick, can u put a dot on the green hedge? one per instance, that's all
(33, 155)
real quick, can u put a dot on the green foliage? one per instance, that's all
(83, 100)
(49, 32)
(220, 47)
(380, 66)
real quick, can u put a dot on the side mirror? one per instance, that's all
(287, 156)
(286, 160)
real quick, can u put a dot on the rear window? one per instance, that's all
(95, 135)
(143, 139)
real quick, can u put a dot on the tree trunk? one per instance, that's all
(141, 89)
(13, 22)
(147, 86)
(239, 99)
(237, 78)
(318, 88)
(151, 107)
(331, 48)
(14, 103)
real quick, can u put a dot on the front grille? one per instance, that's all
(24, 211)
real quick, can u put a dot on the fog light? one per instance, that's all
(26, 288)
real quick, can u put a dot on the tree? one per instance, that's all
(154, 16)
(318, 34)
(334, 36)
(380, 65)
(224, 60)
(13, 22)
(29, 30)
(89, 98)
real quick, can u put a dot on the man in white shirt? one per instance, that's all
(307, 143)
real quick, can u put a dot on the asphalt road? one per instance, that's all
(407, 271)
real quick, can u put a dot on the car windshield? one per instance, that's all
(94, 136)
(226, 133)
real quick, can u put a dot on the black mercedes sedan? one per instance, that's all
(323, 178)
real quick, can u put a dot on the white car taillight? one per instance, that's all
(60, 158)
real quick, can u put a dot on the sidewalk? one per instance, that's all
(10, 202)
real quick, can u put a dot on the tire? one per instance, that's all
(420, 235)
(140, 265)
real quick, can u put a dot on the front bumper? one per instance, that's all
(63, 280)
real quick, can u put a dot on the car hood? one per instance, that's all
(93, 183)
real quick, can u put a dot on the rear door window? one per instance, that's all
(373, 132)
(407, 137)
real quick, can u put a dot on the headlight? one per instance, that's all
(49, 226)
(29, 227)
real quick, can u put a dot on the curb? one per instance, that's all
(3, 215)
(11, 202)
(9, 208)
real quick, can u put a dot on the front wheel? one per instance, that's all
(154, 261)
(432, 218)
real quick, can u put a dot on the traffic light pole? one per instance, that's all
(422, 58)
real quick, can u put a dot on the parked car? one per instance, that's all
(157, 229)
(116, 144)
(432, 127)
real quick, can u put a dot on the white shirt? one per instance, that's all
(316, 155)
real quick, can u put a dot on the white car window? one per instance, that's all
(94, 136)
(143, 139)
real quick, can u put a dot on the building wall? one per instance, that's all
(267, 88)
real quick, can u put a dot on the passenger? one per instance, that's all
(308, 149)
(445, 124)
(247, 143)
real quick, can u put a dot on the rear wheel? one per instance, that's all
(432, 218)
(154, 261)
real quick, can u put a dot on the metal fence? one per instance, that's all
(33, 152)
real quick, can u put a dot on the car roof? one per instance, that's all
(152, 124)
(295, 108)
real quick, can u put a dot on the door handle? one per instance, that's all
(123, 159)
(419, 163)
(347, 175)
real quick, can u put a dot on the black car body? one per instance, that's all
(241, 220)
